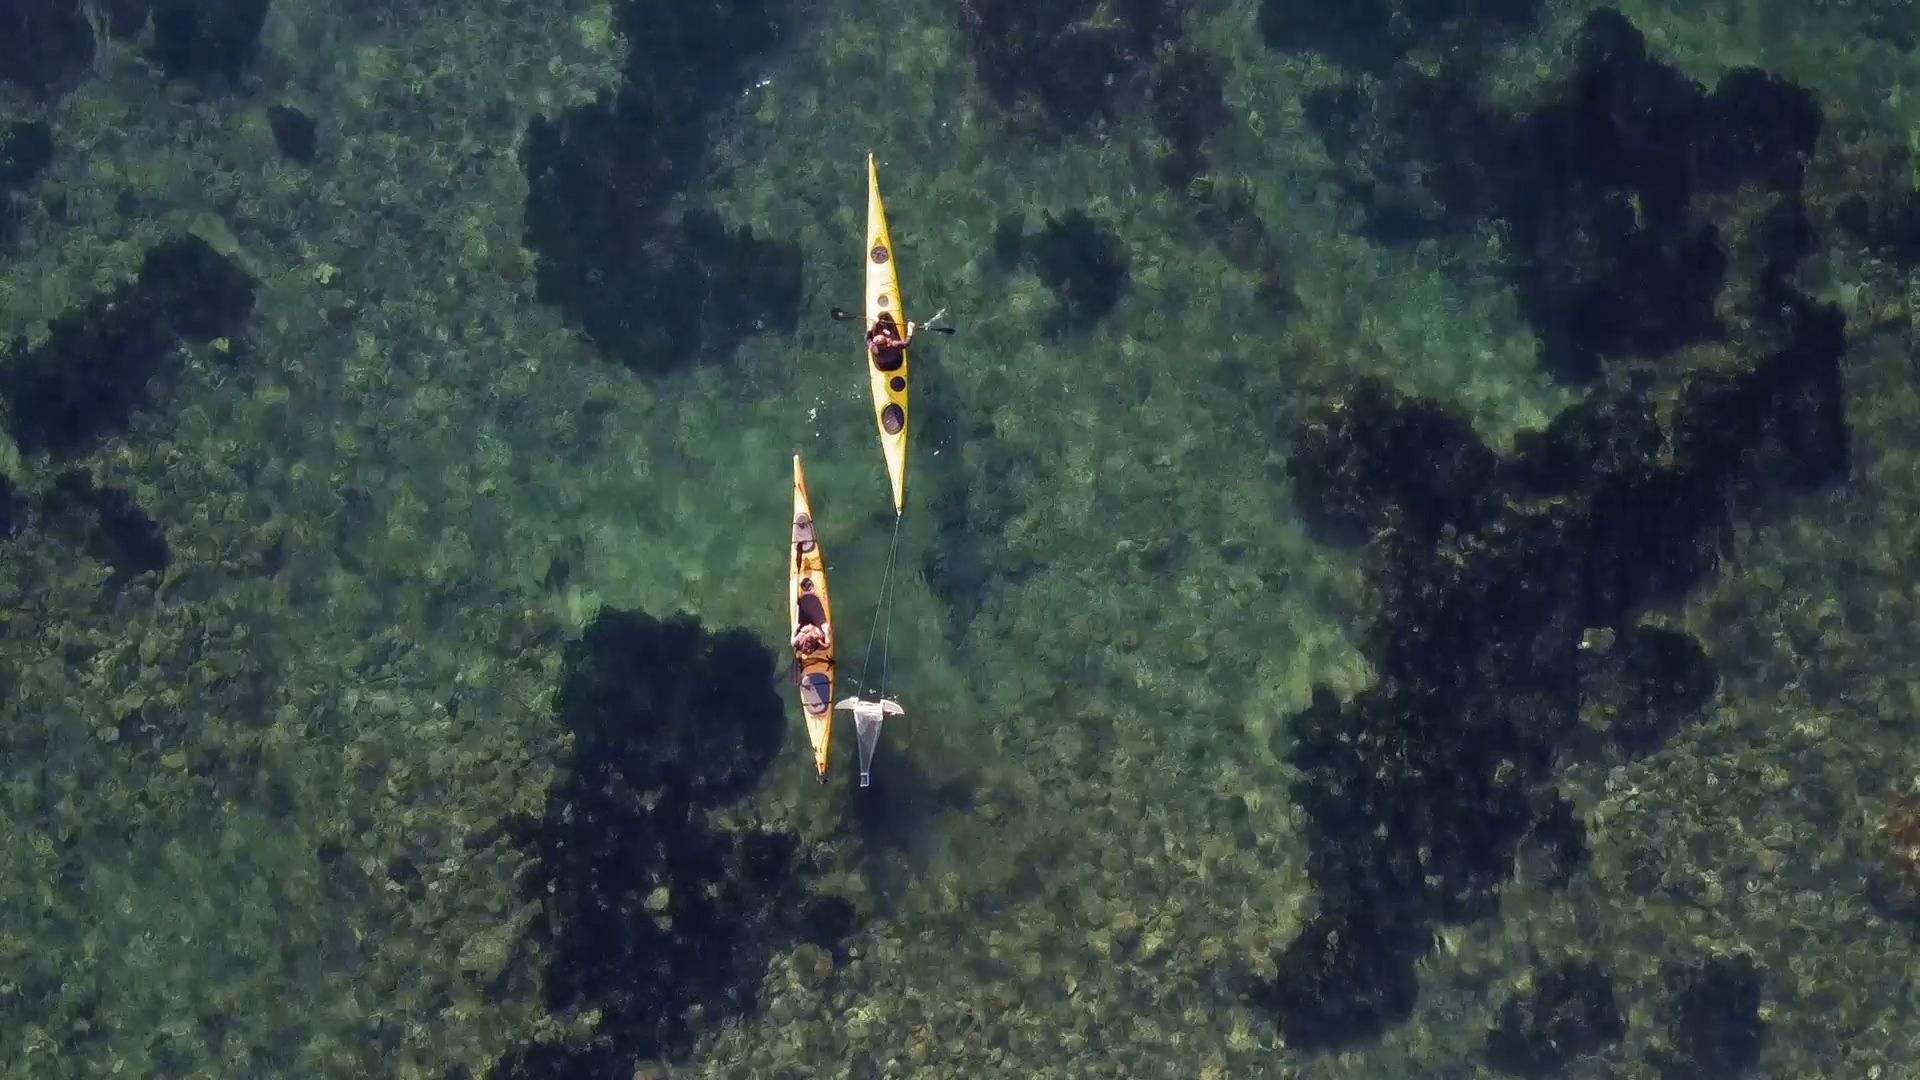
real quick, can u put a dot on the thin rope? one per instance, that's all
(886, 639)
(886, 588)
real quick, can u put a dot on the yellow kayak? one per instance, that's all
(883, 304)
(807, 607)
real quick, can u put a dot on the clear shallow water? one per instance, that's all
(274, 808)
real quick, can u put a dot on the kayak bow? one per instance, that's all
(883, 303)
(807, 604)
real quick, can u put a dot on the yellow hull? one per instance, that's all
(883, 302)
(807, 603)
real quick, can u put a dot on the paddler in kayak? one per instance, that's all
(814, 635)
(885, 347)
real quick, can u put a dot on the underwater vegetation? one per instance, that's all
(655, 917)
(44, 44)
(1372, 35)
(26, 149)
(294, 133)
(102, 361)
(1890, 225)
(650, 288)
(1879, 205)
(1064, 65)
(108, 522)
(1224, 211)
(1510, 589)
(1893, 852)
(1080, 260)
(1607, 253)
(983, 478)
(961, 569)
(124, 18)
(11, 508)
(1187, 104)
(1649, 683)
(1714, 1018)
(1568, 1010)
(205, 39)
(1059, 68)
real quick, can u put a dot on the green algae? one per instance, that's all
(251, 820)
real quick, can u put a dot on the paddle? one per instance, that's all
(843, 315)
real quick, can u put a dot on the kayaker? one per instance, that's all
(811, 638)
(811, 633)
(885, 345)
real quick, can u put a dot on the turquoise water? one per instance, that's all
(381, 764)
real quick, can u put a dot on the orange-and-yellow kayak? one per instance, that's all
(807, 605)
(883, 303)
